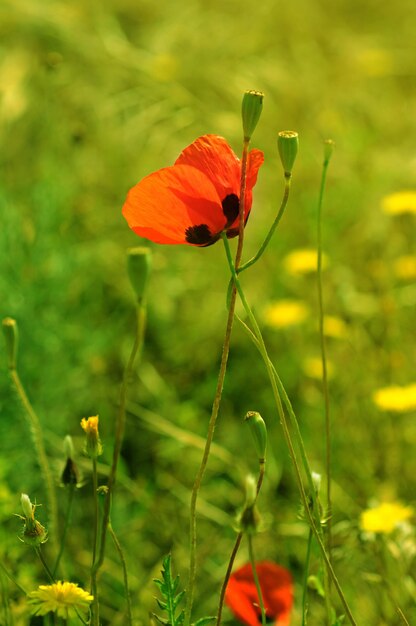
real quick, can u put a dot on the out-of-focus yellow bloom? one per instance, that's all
(375, 62)
(396, 398)
(312, 366)
(385, 517)
(303, 261)
(282, 313)
(399, 203)
(93, 443)
(405, 267)
(335, 327)
(63, 598)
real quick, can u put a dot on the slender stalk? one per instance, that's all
(125, 575)
(255, 258)
(324, 363)
(286, 433)
(12, 578)
(235, 549)
(256, 578)
(120, 425)
(45, 565)
(305, 580)
(218, 394)
(94, 586)
(68, 517)
(36, 431)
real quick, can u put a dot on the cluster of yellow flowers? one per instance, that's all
(396, 398)
(63, 598)
(385, 518)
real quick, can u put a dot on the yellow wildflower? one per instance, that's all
(93, 445)
(312, 367)
(405, 267)
(303, 261)
(385, 517)
(335, 327)
(283, 313)
(396, 398)
(399, 203)
(63, 598)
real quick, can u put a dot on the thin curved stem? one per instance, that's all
(68, 517)
(286, 433)
(125, 574)
(256, 579)
(256, 257)
(305, 580)
(12, 578)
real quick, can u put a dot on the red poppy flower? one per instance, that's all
(277, 590)
(196, 199)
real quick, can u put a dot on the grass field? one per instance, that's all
(93, 97)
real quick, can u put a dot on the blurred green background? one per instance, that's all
(94, 96)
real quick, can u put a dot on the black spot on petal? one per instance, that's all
(199, 235)
(230, 208)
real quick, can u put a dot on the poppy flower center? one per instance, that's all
(230, 208)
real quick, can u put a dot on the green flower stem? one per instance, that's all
(12, 578)
(68, 517)
(235, 549)
(286, 431)
(120, 425)
(255, 258)
(125, 575)
(94, 587)
(256, 578)
(218, 395)
(36, 431)
(305, 580)
(44, 563)
(324, 362)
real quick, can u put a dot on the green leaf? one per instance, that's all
(168, 587)
(203, 621)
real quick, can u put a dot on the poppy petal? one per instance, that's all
(213, 156)
(238, 599)
(175, 205)
(255, 161)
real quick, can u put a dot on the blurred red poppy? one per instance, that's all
(277, 590)
(196, 199)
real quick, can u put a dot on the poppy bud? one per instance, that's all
(138, 268)
(93, 447)
(288, 144)
(11, 337)
(69, 475)
(33, 533)
(258, 431)
(251, 109)
(329, 146)
(249, 519)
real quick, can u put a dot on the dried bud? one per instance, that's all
(251, 109)
(139, 262)
(93, 447)
(288, 144)
(258, 431)
(11, 337)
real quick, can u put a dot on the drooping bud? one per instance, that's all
(69, 474)
(11, 337)
(139, 263)
(34, 534)
(249, 520)
(93, 447)
(259, 432)
(329, 146)
(288, 144)
(251, 109)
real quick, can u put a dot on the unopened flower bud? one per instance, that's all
(249, 519)
(316, 480)
(34, 534)
(251, 491)
(259, 432)
(69, 447)
(93, 447)
(251, 109)
(288, 144)
(69, 474)
(329, 146)
(139, 262)
(11, 337)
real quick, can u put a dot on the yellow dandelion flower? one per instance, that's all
(63, 598)
(312, 367)
(303, 261)
(93, 443)
(283, 313)
(405, 267)
(335, 327)
(385, 517)
(399, 203)
(396, 398)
